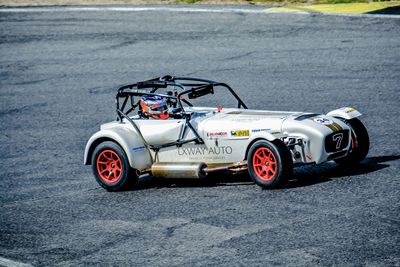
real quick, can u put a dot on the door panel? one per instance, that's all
(157, 132)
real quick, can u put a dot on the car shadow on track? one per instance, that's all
(302, 176)
(220, 179)
(309, 175)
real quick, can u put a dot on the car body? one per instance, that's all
(195, 141)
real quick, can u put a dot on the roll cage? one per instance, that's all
(176, 88)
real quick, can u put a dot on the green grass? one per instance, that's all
(189, 1)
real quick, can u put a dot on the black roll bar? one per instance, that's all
(187, 85)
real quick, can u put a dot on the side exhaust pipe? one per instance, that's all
(178, 170)
(196, 170)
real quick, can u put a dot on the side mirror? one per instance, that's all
(197, 92)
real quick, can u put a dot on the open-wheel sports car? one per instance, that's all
(176, 127)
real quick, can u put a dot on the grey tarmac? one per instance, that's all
(58, 75)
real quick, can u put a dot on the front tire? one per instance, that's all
(111, 167)
(359, 143)
(270, 164)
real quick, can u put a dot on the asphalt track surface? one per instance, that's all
(59, 71)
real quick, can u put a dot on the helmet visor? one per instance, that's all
(159, 108)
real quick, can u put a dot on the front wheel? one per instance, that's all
(359, 143)
(270, 164)
(111, 167)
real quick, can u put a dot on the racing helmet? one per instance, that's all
(154, 106)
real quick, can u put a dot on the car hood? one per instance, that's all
(242, 123)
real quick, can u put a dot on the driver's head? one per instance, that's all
(154, 106)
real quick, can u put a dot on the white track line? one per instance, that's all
(175, 9)
(10, 263)
(333, 14)
(131, 9)
(362, 15)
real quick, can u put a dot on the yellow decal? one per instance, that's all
(349, 110)
(240, 133)
(334, 127)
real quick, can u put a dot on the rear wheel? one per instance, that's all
(111, 167)
(359, 143)
(270, 164)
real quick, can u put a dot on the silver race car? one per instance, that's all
(175, 127)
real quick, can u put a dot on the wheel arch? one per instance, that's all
(126, 140)
(93, 145)
(270, 138)
(346, 113)
(360, 143)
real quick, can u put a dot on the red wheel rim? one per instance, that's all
(264, 164)
(109, 166)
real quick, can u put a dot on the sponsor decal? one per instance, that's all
(323, 121)
(245, 118)
(217, 134)
(141, 91)
(201, 151)
(259, 130)
(240, 133)
(349, 110)
(138, 149)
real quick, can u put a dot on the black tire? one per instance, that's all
(280, 164)
(111, 167)
(359, 145)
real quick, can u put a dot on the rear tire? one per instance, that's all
(359, 143)
(270, 163)
(111, 167)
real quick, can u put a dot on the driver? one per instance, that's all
(155, 107)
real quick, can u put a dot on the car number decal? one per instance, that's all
(337, 138)
(323, 121)
(328, 123)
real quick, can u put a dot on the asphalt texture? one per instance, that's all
(59, 71)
